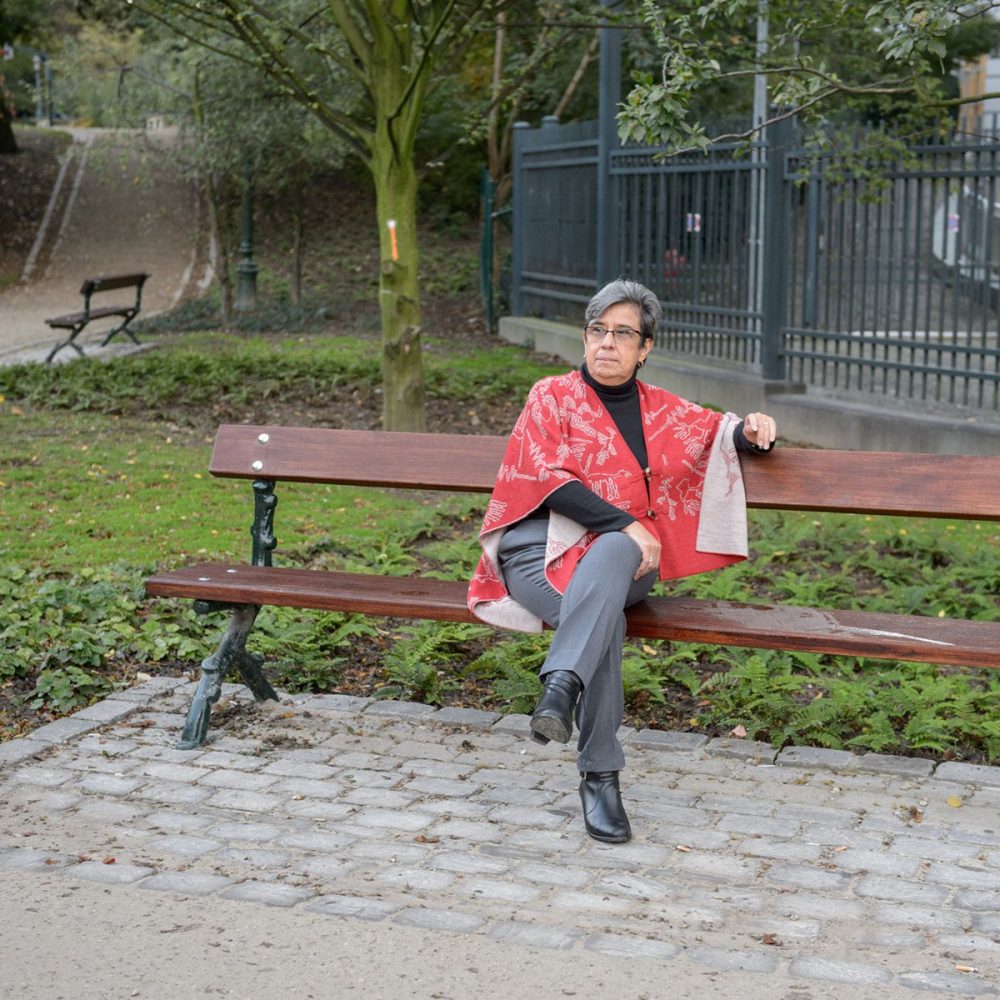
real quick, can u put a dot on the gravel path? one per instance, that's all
(119, 205)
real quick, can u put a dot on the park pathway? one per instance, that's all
(337, 846)
(119, 205)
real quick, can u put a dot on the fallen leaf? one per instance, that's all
(423, 839)
(108, 861)
(954, 801)
(771, 939)
(738, 731)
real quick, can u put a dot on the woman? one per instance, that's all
(606, 484)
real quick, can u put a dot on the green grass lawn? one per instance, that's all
(104, 477)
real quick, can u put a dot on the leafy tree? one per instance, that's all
(367, 71)
(25, 24)
(235, 126)
(536, 59)
(364, 70)
(887, 59)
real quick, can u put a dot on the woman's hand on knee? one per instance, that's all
(649, 548)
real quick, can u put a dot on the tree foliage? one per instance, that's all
(26, 25)
(364, 71)
(888, 59)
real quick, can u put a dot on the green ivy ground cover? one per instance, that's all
(104, 477)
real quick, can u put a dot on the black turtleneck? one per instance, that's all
(573, 499)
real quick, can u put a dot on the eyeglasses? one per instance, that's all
(596, 332)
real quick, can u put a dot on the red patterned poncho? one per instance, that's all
(691, 497)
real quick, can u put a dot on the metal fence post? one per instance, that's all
(486, 244)
(610, 95)
(518, 227)
(778, 137)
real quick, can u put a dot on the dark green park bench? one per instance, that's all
(914, 485)
(76, 323)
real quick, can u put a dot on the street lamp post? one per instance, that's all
(48, 88)
(36, 61)
(246, 270)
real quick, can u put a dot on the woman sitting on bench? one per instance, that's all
(607, 483)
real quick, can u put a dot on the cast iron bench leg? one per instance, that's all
(123, 327)
(70, 342)
(232, 652)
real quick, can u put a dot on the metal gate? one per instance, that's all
(874, 284)
(893, 291)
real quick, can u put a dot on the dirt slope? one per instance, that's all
(118, 203)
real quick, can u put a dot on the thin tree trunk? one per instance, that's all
(589, 55)
(397, 97)
(399, 290)
(8, 144)
(217, 224)
(298, 227)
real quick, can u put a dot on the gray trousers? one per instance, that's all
(589, 623)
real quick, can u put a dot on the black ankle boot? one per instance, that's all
(553, 715)
(603, 811)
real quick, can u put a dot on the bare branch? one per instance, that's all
(883, 87)
(589, 54)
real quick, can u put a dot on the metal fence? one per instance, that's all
(876, 282)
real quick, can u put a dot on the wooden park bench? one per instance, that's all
(76, 323)
(917, 485)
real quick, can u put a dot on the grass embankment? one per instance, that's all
(105, 477)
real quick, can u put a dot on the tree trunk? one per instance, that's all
(298, 244)
(399, 291)
(220, 238)
(8, 144)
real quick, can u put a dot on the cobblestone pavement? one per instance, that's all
(803, 869)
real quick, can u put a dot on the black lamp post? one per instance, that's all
(36, 62)
(246, 270)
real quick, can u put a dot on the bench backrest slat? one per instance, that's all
(955, 486)
(113, 281)
(360, 458)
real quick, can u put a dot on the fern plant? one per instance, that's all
(417, 665)
(648, 667)
(512, 664)
(306, 650)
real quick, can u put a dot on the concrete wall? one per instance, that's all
(803, 417)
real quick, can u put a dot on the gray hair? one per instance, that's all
(623, 290)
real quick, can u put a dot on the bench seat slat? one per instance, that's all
(771, 626)
(71, 320)
(953, 486)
